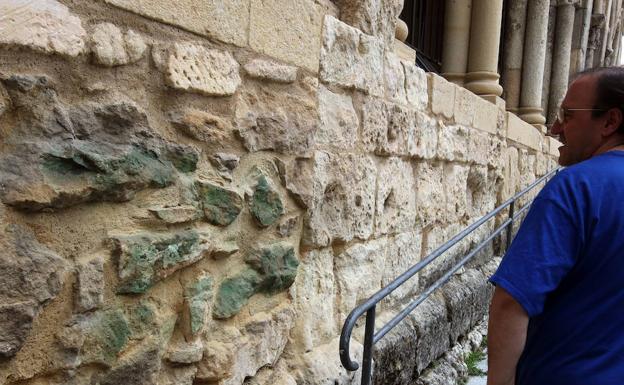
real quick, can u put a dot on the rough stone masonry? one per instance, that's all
(199, 192)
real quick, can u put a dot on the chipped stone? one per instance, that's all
(44, 25)
(268, 70)
(199, 69)
(90, 285)
(350, 58)
(339, 121)
(224, 249)
(402, 253)
(453, 143)
(396, 201)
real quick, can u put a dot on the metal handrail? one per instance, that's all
(369, 306)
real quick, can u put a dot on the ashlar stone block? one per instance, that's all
(396, 201)
(478, 147)
(415, 86)
(521, 132)
(430, 198)
(269, 70)
(338, 120)
(226, 21)
(442, 96)
(486, 116)
(373, 17)
(455, 182)
(424, 141)
(350, 58)
(403, 252)
(288, 30)
(465, 106)
(453, 143)
(387, 128)
(44, 25)
(394, 76)
(207, 71)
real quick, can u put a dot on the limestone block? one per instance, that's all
(236, 354)
(424, 142)
(293, 34)
(185, 352)
(453, 143)
(512, 173)
(496, 153)
(338, 121)
(481, 192)
(486, 116)
(198, 295)
(42, 25)
(430, 198)
(432, 329)
(314, 295)
(541, 164)
(276, 119)
(373, 17)
(322, 366)
(387, 128)
(415, 86)
(350, 58)
(339, 194)
(225, 21)
(90, 284)
(526, 163)
(442, 95)
(521, 132)
(207, 71)
(395, 354)
(269, 70)
(358, 272)
(403, 252)
(455, 182)
(112, 48)
(396, 202)
(394, 76)
(31, 275)
(465, 106)
(478, 149)
(433, 239)
(553, 146)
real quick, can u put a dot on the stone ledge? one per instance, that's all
(441, 95)
(553, 146)
(523, 133)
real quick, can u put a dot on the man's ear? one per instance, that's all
(613, 122)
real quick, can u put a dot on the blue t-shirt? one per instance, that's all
(566, 268)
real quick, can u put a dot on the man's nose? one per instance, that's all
(556, 128)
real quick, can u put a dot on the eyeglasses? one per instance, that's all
(562, 112)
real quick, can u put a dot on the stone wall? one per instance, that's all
(199, 192)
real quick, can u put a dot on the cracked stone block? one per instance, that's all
(199, 69)
(43, 25)
(272, 71)
(350, 58)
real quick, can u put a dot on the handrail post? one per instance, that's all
(367, 360)
(510, 225)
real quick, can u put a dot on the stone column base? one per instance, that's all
(532, 115)
(457, 78)
(483, 83)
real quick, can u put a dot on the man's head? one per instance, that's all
(593, 117)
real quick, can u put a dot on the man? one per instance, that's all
(557, 315)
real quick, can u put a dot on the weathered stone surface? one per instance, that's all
(424, 144)
(339, 192)
(140, 368)
(4, 100)
(221, 206)
(112, 48)
(199, 69)
(235, 355)
(44, 25)
(265, 204)
(387, 128)
(373, 17)
(224, 249)
(430, 198)
(183, 375)
(442, 95)
(145, 259)
(415, 86)
(286, 227)
(396, 202)
(465, 106)
(432, 329)
(432, 240)
(455, 181)
(201, 125)
(177, 214)
(90, 284)
(271, 269)
(486, 116)
(198, 295)
(30, 277)
(395, 354)
(338, 120)
(523, 133)
(479, 147)
(453, 143)
(482, 191)
(224, 163)
(394, 76)
(185, 353)
(279, 374)
(63, 156)
(292, 35)
(226, 22)
(269, 70)
(313, 293)
(322, 366)
(403, 251)
(350, 58)
(358, 272)
(279, 120)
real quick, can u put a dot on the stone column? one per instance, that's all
(485, 28)
(514, 45)
(550, 41)
(561, 56)
(593, 41)
(456, 40)
(605, 33)
(582, 23)
(533, 63)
